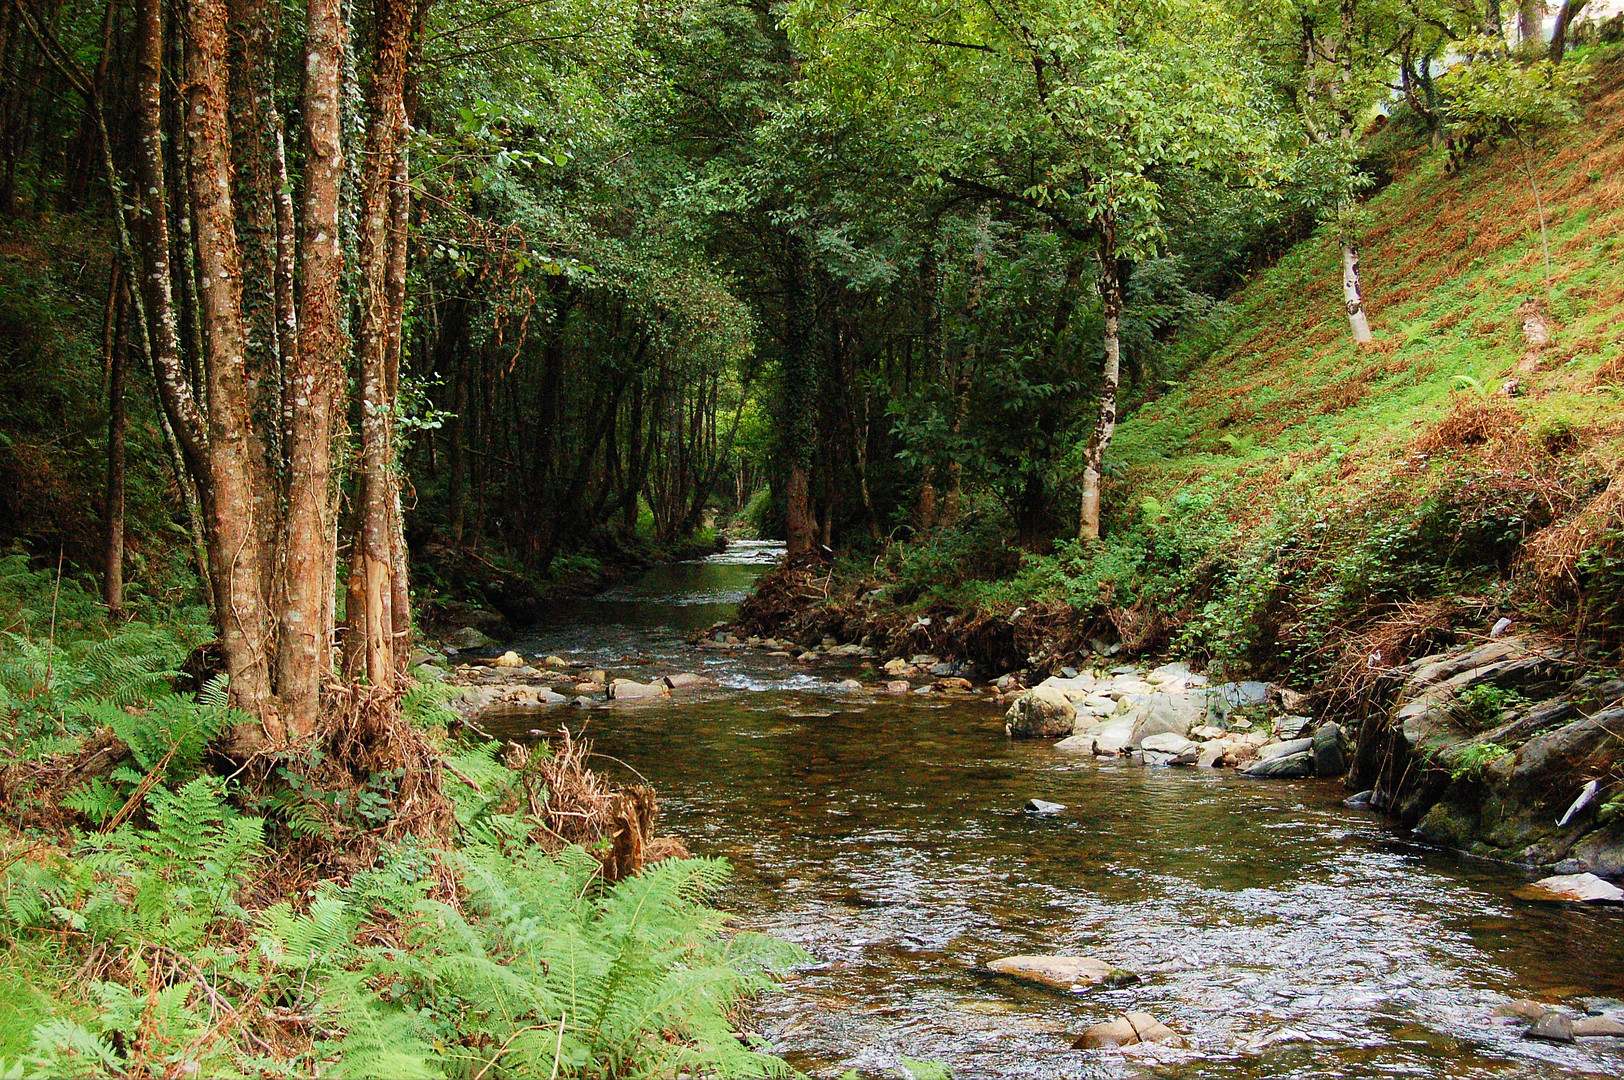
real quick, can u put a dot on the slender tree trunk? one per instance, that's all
(117, 362)
(236, 557)
(162, 323)
(315, 379)
(377, 534)
(1352, 299)
(1088, 528)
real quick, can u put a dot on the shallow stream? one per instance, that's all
(1283, 934)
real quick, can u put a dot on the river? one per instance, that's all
(1284, 935)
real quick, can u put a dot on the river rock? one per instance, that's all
(556, 662)
(1039, 806)
(683, 680)
(508, 659)
(1598, 1027)
(534, 695)
(1062, 972)
(849, 686)
(1282, 749)
(899, 666)
(588, 688)
(1113, 739)
(598, 675)
(1044, 713)
(1282, 767)
(1160, 718)
(1235, 695)
(898, 686)
(1210, 755)
(629, 690)
(1078, 743)
(470, 638)
(1552, 1027)
(850, 650)
(1329, 760)
(955, 685)
(1127, 1030)
(1575, 888)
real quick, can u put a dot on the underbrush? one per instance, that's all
(382, 900)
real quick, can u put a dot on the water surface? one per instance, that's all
(1283, 934)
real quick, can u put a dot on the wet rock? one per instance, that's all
(1127, 1030)
(1552, 1027)
(1077, 743)
(1038, 806)
(898, 686)
(955, 685)
(899, 666)
(555, 662)
(1282, 767)
(1329, 759)
(849, 686)
(1598, 1027)
(630, 690)
(1211, 755)
(533, 695)
(1041, 713)
(807, 657)
(1361, 801)
(1062, 972)
(470, 638)
(850, 650)
(1573, 888)
(508, 659)
(1006, 683)
(1523, 1009)
(684, 680)
(599, 676)
(588, 688)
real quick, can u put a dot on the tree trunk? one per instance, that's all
(798, 513)
(1351, 296)
(1088, 527)
(315, 377)
(1571, 9)
(117, 362)
(235, 554)
(162, 324)
(376, 531)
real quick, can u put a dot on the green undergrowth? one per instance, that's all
(159, 918)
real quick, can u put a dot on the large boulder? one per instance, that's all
(469, 637)
(1044, 713)
(1329, 759)
(631, 690)
(1161, 718)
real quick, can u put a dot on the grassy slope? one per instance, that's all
(1292, 407)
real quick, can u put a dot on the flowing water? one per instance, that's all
(1282, 933)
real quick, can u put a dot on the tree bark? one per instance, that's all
(117, 361)
(314, 378)
(377, 534)
(798, 513)
(1088, 527)
(235, 552)
(1571, 9)
(1352, 299)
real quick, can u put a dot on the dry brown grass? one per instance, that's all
(1470, 424)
